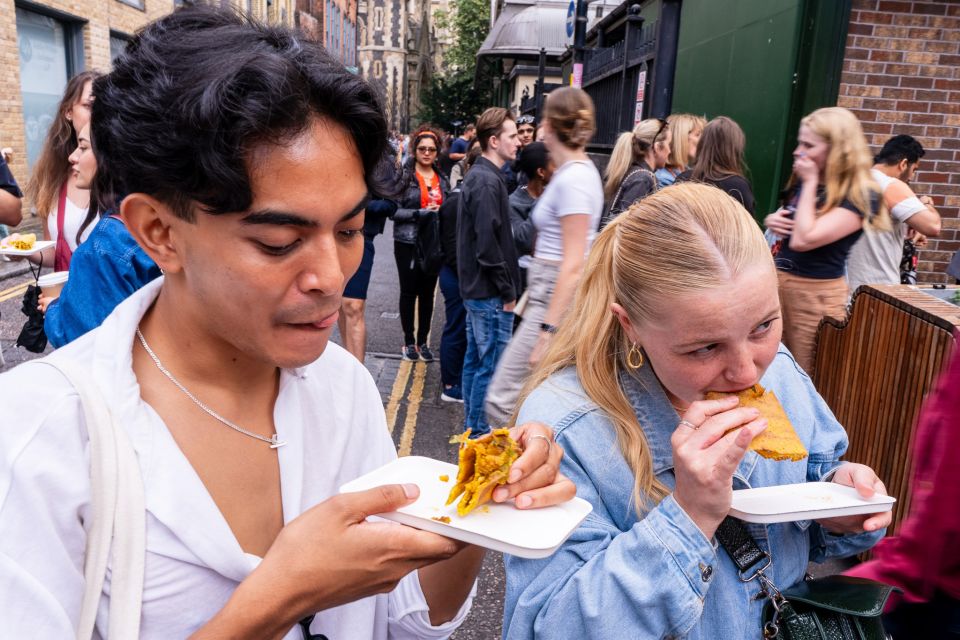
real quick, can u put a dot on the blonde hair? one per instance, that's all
(847, 172)
(570, 113)
(675, 242)
(681, 126)
(631, 147)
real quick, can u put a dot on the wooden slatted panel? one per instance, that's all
(874, 371)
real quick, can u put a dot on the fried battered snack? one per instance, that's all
(779, 441)
(20, 241)
(484, 464)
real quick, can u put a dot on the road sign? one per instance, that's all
(571, 18)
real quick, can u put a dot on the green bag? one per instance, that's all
(831, 608)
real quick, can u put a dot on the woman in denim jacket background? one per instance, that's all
(679, 297)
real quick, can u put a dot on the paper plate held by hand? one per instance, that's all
(804, 501)
(527, 533)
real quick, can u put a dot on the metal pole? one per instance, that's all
(579, 43)
(628, 29)
(541, 74)
(665, 63)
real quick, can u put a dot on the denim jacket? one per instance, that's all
(653, 574)
(104, 271)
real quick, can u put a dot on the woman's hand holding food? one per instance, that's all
(867, 484)
(806, 169)
(705, 457)
(535, 479)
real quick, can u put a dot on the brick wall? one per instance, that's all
(901, 74)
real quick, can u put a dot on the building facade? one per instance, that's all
(396, 51)
(45, 42)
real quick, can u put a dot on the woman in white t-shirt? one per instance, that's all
(566, 218)
(63, 206)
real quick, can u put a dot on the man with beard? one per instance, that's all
(875, 258)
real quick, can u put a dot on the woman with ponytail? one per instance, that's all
(679, 298)
(630, 172)
(565, 217)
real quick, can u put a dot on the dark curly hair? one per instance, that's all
(197, 91)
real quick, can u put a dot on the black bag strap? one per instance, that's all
(733, 536)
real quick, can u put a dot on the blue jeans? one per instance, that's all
(453, 343)
(489, 328)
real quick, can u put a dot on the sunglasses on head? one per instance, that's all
(525, 120)
(663, 125)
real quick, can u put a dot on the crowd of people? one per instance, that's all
(589, 312)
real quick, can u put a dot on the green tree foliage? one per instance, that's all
(460, 91)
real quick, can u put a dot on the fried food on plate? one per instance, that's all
(484, 464)
(779, 441)
(19, 241)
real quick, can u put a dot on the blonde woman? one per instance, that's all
(679, 297)
(630, 172)
(685, 132)
(565, 217)
(831, 198)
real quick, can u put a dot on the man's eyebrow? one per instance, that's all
(287, 219)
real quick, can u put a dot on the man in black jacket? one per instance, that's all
(486, 261)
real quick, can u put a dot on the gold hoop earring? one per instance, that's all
(634, 357)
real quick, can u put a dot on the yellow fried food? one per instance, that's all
(21, 241)
(779, 441)
(484, 464)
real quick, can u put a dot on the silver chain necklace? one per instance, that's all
(273, 442)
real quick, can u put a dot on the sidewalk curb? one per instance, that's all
(14, 272)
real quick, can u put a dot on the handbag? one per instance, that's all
(62, 253)
(831, 608)
(118, 517)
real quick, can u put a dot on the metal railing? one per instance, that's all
(611, 75)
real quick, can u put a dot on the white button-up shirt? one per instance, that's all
(329, 413)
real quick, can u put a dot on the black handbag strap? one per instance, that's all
(733, 536)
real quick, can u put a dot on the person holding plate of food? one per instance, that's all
(679, 299)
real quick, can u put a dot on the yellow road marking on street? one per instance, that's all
(13, 292)
(399, 386)
(413, 408)
(16, 286)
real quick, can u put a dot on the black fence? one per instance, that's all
(528, 103)
(611, 76)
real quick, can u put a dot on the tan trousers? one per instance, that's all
(514, 366)
(803, 302)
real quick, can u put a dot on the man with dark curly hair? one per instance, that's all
(245, 157)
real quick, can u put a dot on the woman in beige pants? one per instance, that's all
(832, 196)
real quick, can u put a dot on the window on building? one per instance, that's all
(118, 42)
(378, 18)
(51, 51)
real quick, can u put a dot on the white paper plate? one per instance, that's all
(39, 245)
(534, 533)
(804, 501)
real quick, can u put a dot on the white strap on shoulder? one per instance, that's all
(117, 512)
